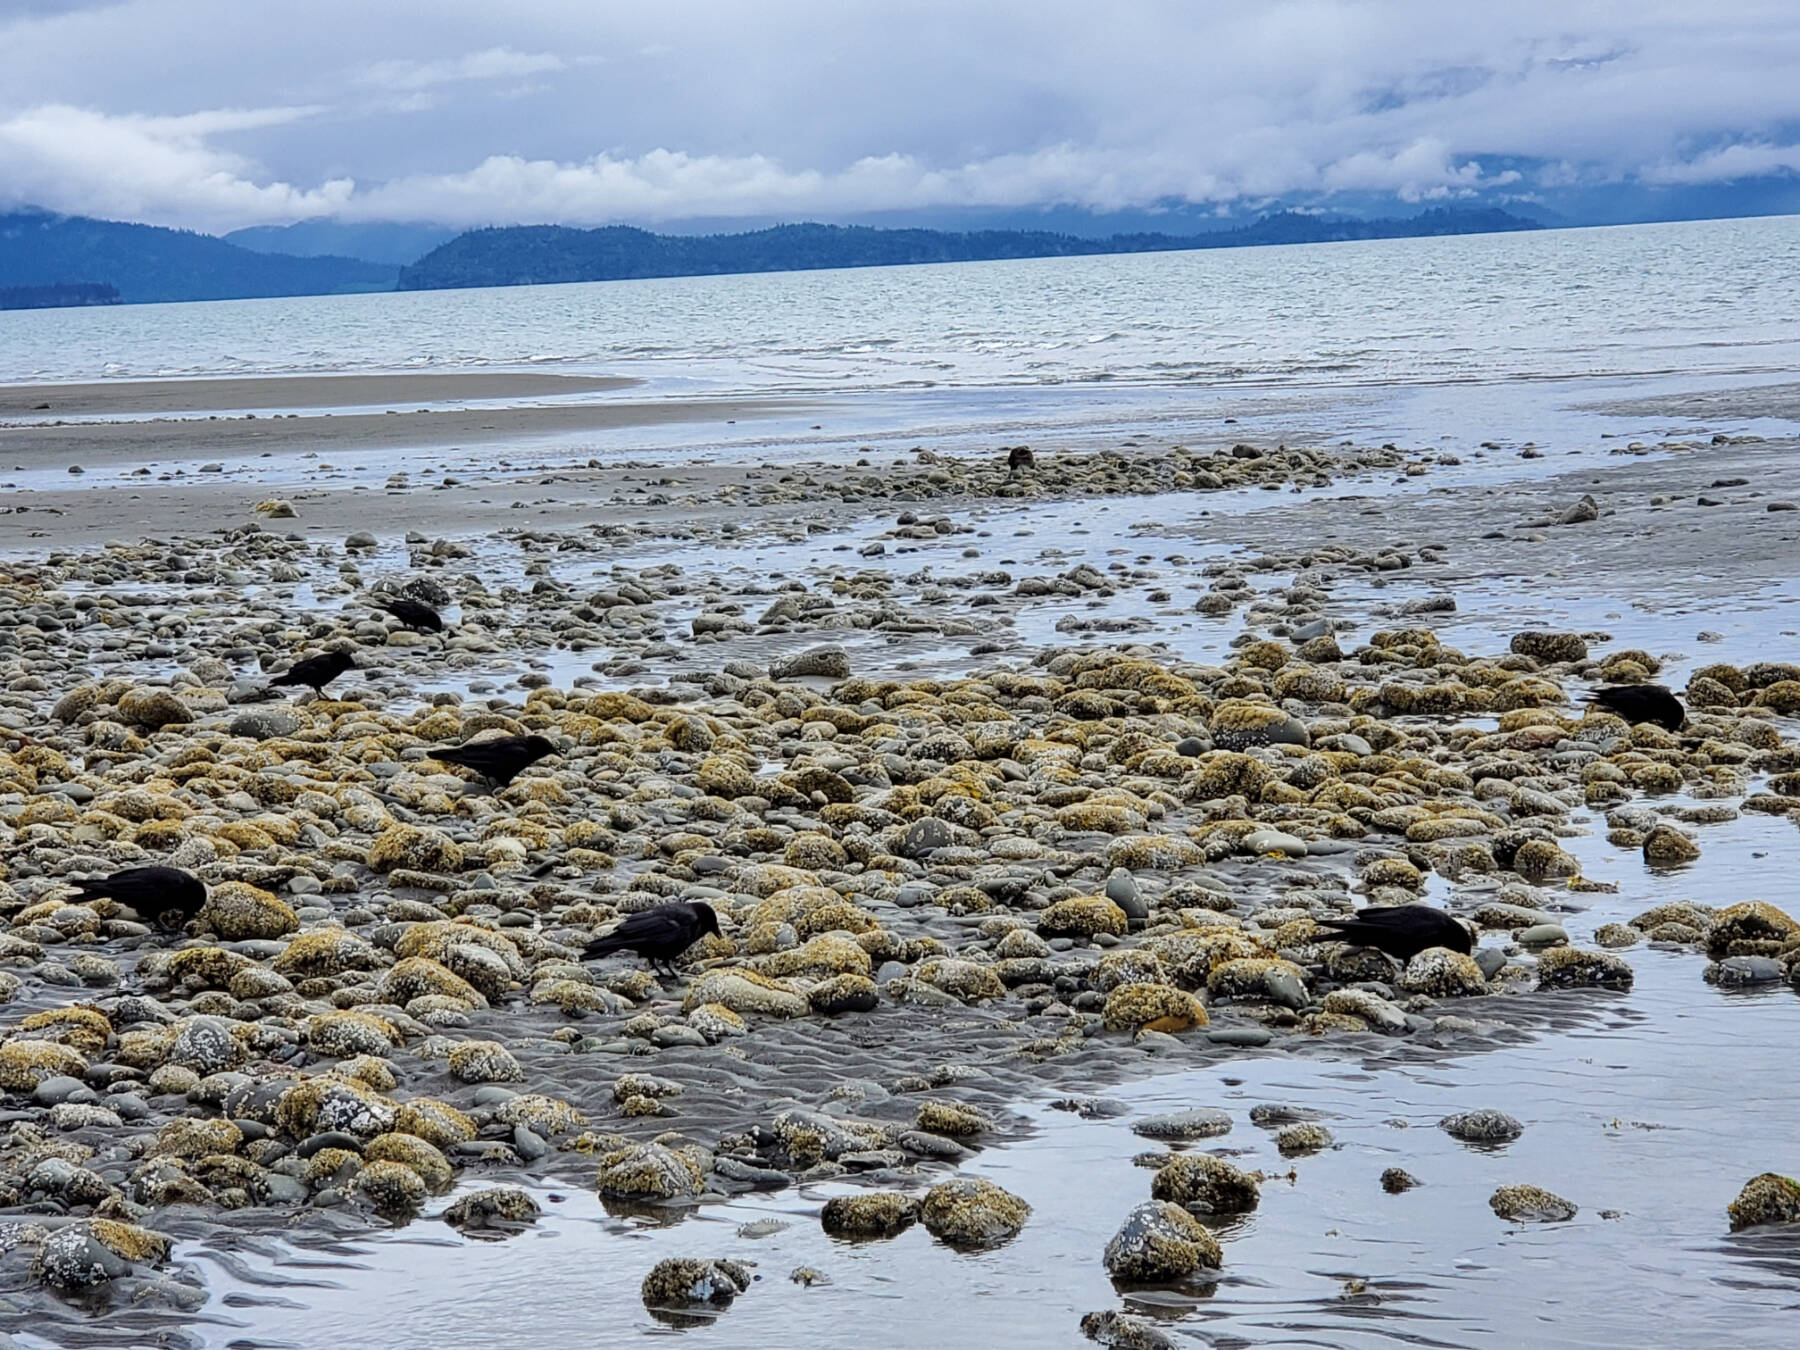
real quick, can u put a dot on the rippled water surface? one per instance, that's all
(1692, 298)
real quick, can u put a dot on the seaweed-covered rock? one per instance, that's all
(1442, 973)
(952, 1118)
(89, 1253)
(1530, 1204)
(1160, 1007)
(1259, 977)
(875, 1214)
(391, 1187)
(1666, 846)
(1548, 645)
(1122, 1331)
(26, 1063)
(683, 1282)
(1740, 929)
(1160, 1241)
(1199, 1122)
(485, 1062)
(1577, 968)
(1769, 1198)
(1302, 1137)
(1083, 916)
(744, 991)
(496, 1211)
(971, 1212)
(415, 849)
(650, 1172)
(1486, 1126)
(236, 911)
(1205, 1184)
(153, 709)
(965, 981)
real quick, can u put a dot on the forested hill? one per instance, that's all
(526, 255)
(148, 262)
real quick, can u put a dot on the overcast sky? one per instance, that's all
(220, 113)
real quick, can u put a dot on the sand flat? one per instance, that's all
(138, 398)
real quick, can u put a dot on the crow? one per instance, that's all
(317, 671)
(413, 614)
(658, 935)
(1019, 458)
(1641, 703)
(154, 892)
(499, 760)
(1402, 931)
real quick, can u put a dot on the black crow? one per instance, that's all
(1019, 458)
(1402, 931)
(658, 935)
(1641, 703)
(317, 671)
(154, 892)
(499, 760)
(413, 614)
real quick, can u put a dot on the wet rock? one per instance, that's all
(746, 992)
(485, 1062)
(1575, 968)
(1122, 1331)
(970, 1212)
(1741, 928)
(831, 663)
(1769, 1198)
(1482, 1127)
(1546, 645)
(1161, 1241)
(1442, 973)
(1666, 846)
(1396, 1180)
(877, 1214)
(1083, 916)
(684, 1282)
(952, 1118)
(963, 980)
(1302, 1138)
(153, 709)
(1205, 1185)
(262, 724)
(1197, 1123)
(1530, 1204)
(1157, 1007)
(237, 911)
(1740, 972)
(650, 1172)
(391, 1187)
(1259, 977)
(90, 1253)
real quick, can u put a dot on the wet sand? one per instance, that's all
(108, 428)
(119, 398)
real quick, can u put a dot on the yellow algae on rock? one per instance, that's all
(235, 911)
(1083, 916)
(26, 1063)
(1160, 1007)
(415, 849)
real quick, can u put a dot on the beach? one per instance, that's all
(960, 753)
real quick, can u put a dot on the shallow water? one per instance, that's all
(1649, 1113)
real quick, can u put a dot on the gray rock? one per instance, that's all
(1160, 1241)
(1491, 961)
(1245, 1038)
(261, 724)
(831, 663)
(1482, 1127)
(61, 1088)
(1199, 1123)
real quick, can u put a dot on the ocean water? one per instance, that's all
(1693, 300)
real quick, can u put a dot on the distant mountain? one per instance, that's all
(381, 243)
(57, 297)
(525, 255)
(149, 263)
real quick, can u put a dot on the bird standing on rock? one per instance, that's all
(413, 614)
(499, 760)
(659, 934)
(317, 671)
(1402, 931)
(1641, 703)
(157, 893)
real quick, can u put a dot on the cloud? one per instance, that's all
(496, 63)
(139, 168)
(465, 112)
